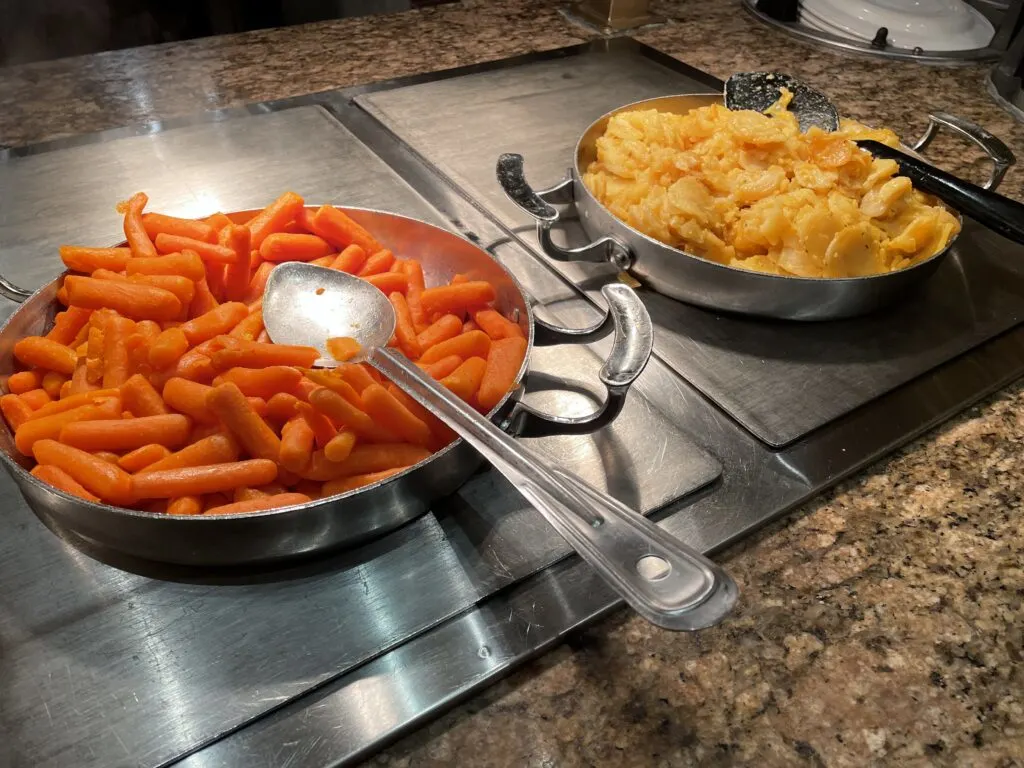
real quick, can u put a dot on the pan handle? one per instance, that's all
(631, 349)
(1000, 154)
(10, 291)
(512, 179)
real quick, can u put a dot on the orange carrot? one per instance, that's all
(94, 356)
(157, 224)
(340, 446)
(340, 410)
(260, 504)
(35, 398)
(79, 259)
(52, 382)
(134, 230)
(282, 407)
(61, 480)
(414, 272)
(170, 430)
(77, 400)
(24, 381)
(389, 413)
(274, 218)
(442, 329)
(197, 481)
(15, 410)
(343, 348)
(338, 487)
(115, 352)
(496, 325)
(350, 260)
(108, 481)
(380, 261)
(210, 252)
(258, 439)
(68, 324)
(62, 295)
(139, 397)
(389, 282)
(262, 382)
(285, 247)
(442, 433)
(249, 327)
(296, 444)
(465, 380)
(341, 231)
(218, 221)
(237, 275)
(357, 375)
(323, 429)
(139, 302)
(244, 494)
(79, 383)
(40, 352)
(180, 286)
(107, 456)
(217, 448)
(376, 458)
(259, 405)
(254, 354)
(167, 348)
(457, 298)
(203, 301)
(503, 362)
(215, 322)
(185, 505)
(258, 283)
(405, 329)
(189, 397)
(465, 345)
(254, 261)
(143, 456)
(184, 264)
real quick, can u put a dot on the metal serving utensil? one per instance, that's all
(759, 90)
(666, 582)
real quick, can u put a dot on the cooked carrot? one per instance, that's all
(52, 383)
(376, 458)
(212, 500)
(379, 262)
(185, 505)
(357, 375)
(139, 397)
(170, 430)
(255, 354)
(274, 217)
(108, 481)
(215, 280)
(465, 380)
(36, 398)
(457, 298)
(244, 494)
(496, 325)
(62, 295)
(23, 381)
(262, 382)
(189, 397)
(194, 367)
(340, 230)
(442, 329)
(68, 324)
(503, 362)
(15, 410)
(341, 411)
(203, 301)
(167, 348)
(296, 444)
(94, 356)
(337, 487)
(184, 264)
(134, 230)
(143, 456)
(351, 260)
(282, 407)
(258, 282)
(260, 504)
(322, 427)
(414, 272)
(197, 481)
(83, 332)
(465, 345)
(216, 322)
(259, 405)
(139, 302)
(108, 456)
(115, 352)
(442, 367)
(79, 383)
(79, 259)
(389, 282)
(324, 261)
(237, 275)
(286, 247)
(157, 224)
(77, 400)
(343, 348)
(470, 325)
(217, 448)
(249, 327)
(340, 446)
(388, 412)
(61, 480)
(254, 261)
(332, 380)
(218, 221)
(180, 286)
(210, 252)
(40, 352)
(235, 412)
(441, 432)
(405, 328)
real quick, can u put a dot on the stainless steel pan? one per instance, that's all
(694, 280)
(357, 516)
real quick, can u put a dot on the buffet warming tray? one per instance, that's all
(107, 661)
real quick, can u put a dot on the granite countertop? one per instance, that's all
(879, 624)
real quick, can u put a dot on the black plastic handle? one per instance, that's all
(997, 212)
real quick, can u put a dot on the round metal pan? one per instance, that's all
(340, 521)
(694, 280)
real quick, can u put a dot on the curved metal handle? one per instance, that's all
(665, 581)
(512, 179)
(1001, 155)
(998, 213)
(631, 349)
(10, 291)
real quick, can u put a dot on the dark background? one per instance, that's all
(36, 30)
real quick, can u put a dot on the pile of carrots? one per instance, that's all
(157, 388)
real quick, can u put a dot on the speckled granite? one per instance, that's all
(881, 624)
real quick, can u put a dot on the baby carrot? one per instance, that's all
(380, 261)
(216, 322)
(356, 375)
(255, 354)
(143, 456)
(184, 264)
(94, 355)
(259, 505)
(503, 362)
(108, 481)
(323, 429)
(259, 405)
(236, 413)
(340, 446)
(238, 274)
(457, 298)
(465, 345)
(215, 280)
(167, 348)
(350, 260)
(217, 448)
(157, 224)
(405, 329)
(185, 505)
(79, 383)
(115, 352)
(35, 398)
(197, 481)
(79, 259)
(218, 221)
(62, 295)
(324, 261)
(444, 328)
(389, 282)
(61, 480)
(139, 302)
(180, 286)
(23, 381)
(249, 327)
(211, 500)
(414, 272)
(170, 430)
(40, 352)
(296, 444)
(496, 325)
(15, 410)
(209, 252)
(338, 487)
(258, 282)
(378, 457)
(386, 411)
(52, 382)
(203, 301)
(282, 407)
(190, 398)
(340, 410)
(465, 380)
(332, 380)
(262, 382)
(107, 456)
(67, 324)
(134, 230)
(286, 247)
(442, 367)
(442, 433)
(343, 348)
(74, 401)
(139, 397)
(340, 230)
(274, 217)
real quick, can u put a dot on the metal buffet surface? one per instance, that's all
(321, 662)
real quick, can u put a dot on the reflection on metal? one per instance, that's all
(1006, 80)
(612, 16)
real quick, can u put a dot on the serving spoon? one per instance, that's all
(760, 90)
(662, 579)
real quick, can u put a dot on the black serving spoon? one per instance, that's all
(760, 90)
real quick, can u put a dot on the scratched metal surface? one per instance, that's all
(136, 665)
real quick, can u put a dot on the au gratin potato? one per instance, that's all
(749, 190)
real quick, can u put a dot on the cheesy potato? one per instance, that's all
(750, 190)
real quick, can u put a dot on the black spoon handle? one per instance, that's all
(995, 211)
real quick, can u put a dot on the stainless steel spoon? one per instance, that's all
(666, 582)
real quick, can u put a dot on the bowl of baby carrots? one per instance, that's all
(146, 410)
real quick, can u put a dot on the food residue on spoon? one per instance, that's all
(343, 348)
(319, 291)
